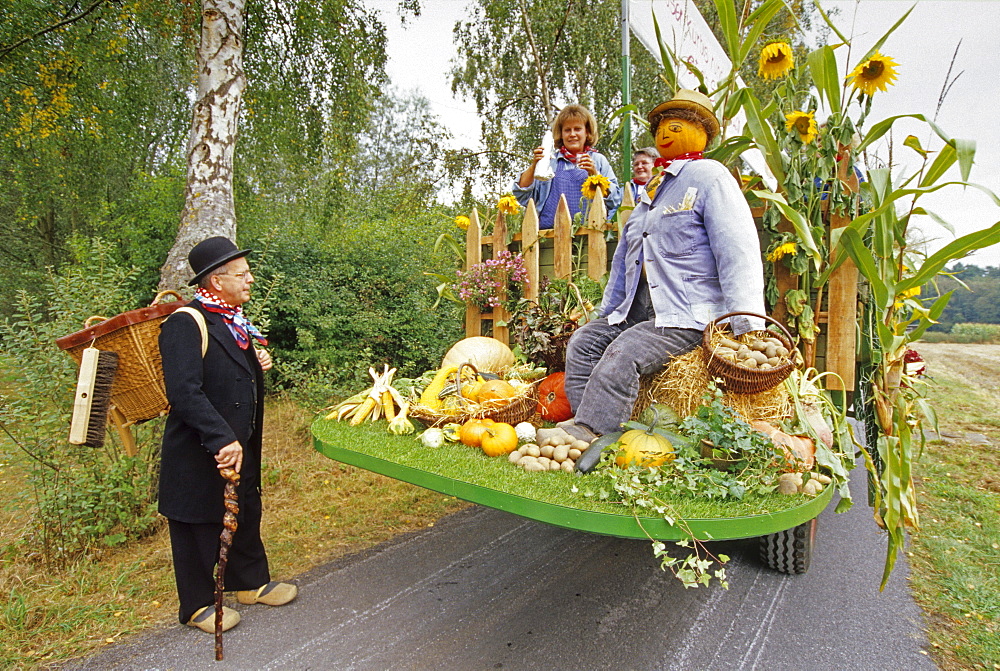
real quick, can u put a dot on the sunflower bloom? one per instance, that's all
(462, 222)
(909, 293)
(803, 123)
(776, 60)
(591, 184)
(782, 251)
(875, 74)
(509, 205)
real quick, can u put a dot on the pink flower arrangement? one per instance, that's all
(493, 282)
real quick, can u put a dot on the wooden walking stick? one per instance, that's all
(229, 525)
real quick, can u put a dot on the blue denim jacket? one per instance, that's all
(540, 190)
(702, 258)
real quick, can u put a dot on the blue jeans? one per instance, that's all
(604, 362)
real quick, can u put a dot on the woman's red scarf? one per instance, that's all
(572, 156)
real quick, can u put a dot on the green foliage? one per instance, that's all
(83, 497)
(359, 300)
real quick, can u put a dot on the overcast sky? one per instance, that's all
(420, 55)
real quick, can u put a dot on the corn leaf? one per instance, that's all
(798, 221)
(823, 67)
(966, 150)
(666, 56)
(762, 133)
(830, 23)
(730, 27)
(881, 40)
(956, 249)
(757, 21)
(883, 289)
(944, 160)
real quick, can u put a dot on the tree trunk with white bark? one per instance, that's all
(208, 199)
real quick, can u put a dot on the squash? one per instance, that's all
(429, 397)
(472, 431)
(495, 392)
(645, 447)
(499, 439)
(799, 451)
(486, 354)
(553, 405)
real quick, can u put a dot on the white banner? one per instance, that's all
(687, 34)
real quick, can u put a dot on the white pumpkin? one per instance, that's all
(486, 354)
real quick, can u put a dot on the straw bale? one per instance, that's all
(683, 384)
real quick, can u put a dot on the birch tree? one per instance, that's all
(209, 209)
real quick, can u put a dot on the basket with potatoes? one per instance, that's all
(751, 363)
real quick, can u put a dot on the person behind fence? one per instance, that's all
(642, 171)
(688, 254)
(216, 419)
(574, 132)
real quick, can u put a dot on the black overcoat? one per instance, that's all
(213, 401)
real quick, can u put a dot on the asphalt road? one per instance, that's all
(483, 589)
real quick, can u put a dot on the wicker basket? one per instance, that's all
(521, 409)
(138, 391)
(746, 380)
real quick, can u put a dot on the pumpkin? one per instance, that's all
(499, 439)
(472, 431)
(495, 392)
(679, 136)
(799, 451)
(645, 447)
(553, 405)
(484, 353)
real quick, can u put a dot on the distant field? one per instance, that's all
(955, 556)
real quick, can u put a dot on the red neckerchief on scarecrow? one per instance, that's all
(241, 327)
(689, 156)
(572, 156)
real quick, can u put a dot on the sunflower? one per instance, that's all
(462, 222)
(590, 185)
(776, 60)
(877, 73)
(782, 251)
(508, 205)
(803, 123)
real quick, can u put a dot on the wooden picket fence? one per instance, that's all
(834, 350)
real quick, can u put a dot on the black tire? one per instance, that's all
(789, 551)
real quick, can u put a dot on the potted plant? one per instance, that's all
(541, 327)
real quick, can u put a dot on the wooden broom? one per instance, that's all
(93, 396)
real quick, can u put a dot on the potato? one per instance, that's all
(789, 483)
(758, 346)
(771, 350)
(731, 344)
(544, 461)
(568, 466)
(532, 450)
(749, 363)
(819, 477)
(581, 445)
(534, 467)
(574, 453)
(781, 351)
(759, 357)
(812, 488)
(547, 450)
(560, 453)
(525, 459)
(765, 366)
(554, 465)
(514, 457)
(774, 361)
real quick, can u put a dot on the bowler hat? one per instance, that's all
(695, 101)
(209, 254)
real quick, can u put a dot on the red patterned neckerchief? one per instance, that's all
(637, 182)
(689, 156)
(241, 327)
(572, 156)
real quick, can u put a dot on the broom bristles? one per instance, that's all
(93, 397)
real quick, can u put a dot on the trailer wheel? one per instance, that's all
(789, 551)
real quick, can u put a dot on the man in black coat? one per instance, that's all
(215, 387)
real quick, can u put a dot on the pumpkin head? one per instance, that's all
(553, 405)
(679, 136)
(499, 439)
(644, 448)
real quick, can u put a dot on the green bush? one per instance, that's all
(360, 300)
(82, 497)
(984, 333)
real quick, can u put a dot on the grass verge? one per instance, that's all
(315, 510)
(955, 557)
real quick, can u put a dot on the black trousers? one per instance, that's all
(195, 549)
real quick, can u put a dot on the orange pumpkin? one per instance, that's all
(472, 431)
(553, 405)
(679, 136)
(495, 392)
(499, 439)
